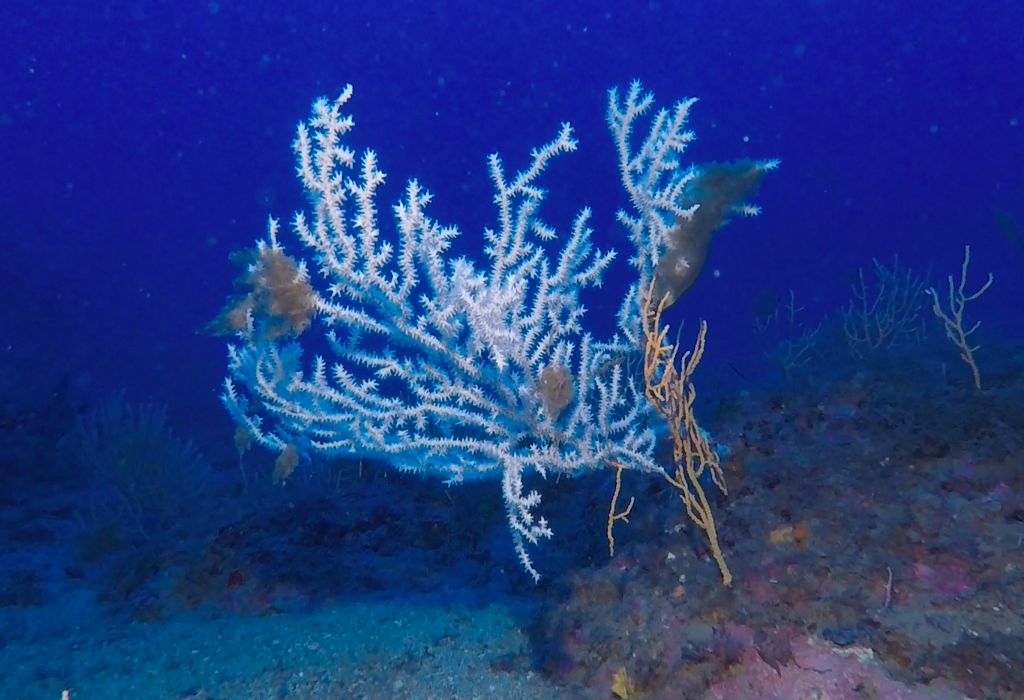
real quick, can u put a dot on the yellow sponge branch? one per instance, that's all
(671, 392)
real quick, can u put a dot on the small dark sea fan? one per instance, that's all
(279, 296)
(1008, 227)
(765, 304)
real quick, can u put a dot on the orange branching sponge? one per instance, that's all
(671, 392)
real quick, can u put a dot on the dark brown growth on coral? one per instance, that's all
(279, 297)
(717, 188)
(285, 463)
(555, 389)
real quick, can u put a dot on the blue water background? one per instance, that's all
(141, 142)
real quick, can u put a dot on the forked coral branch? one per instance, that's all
(954, 320)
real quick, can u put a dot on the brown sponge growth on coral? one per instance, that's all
(555, 387)
(280, 297)
(717, 189)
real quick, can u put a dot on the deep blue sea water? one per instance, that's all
(141, 142)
